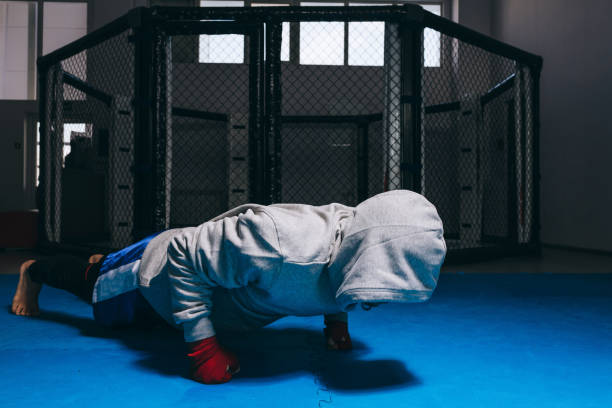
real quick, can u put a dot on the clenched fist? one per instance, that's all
(210, 364)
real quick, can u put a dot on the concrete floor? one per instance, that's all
(551, 261)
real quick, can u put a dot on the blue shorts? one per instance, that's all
(116, 298)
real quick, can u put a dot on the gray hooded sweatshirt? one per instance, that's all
(255, 264)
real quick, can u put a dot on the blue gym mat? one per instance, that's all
(498, 340)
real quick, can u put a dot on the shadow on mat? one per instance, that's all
(285, 352)
(264, 354)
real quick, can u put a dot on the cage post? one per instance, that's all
(239, 159)
(120, 179)
(391, 138)
(42, 177)
(273, 112)
(54, 158)
(162, 129)
(143, 148)
(362, 160)
(411, 110)
(527, 114)
(519, 145)
(535, 71)
(256, 117)
(469, 173)
(512, 176)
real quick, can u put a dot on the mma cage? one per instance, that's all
(169, 116)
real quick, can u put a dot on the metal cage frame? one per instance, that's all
(148, 31)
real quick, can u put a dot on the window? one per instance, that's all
(431, 39)
(17, 50)
(366, 41)
(229, 48)
(322, 43)
(62, 24)
(285, 42)
(224, 48)
(69, 129)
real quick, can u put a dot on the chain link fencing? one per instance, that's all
(87, 145)
(192, 111)
(478, 134)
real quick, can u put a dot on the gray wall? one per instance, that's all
(16, 149)
(576, 129)
(475, 14)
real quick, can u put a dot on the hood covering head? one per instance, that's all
(391, 252)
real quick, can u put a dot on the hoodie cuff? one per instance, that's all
(198, 329)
